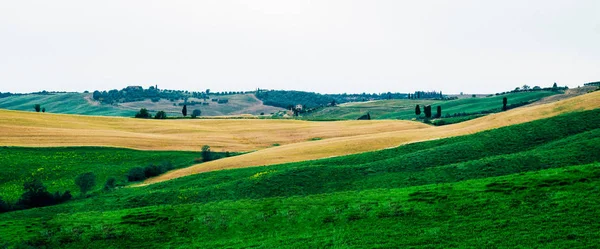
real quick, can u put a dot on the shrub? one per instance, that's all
(62, 198)
(439, 122)
(85, 182)
(165, 166)
(110, 184)
(136, 174)
(206, 153)
(35, 195)
(160, 115)
(151, 170)
(143, 113)
(4, 207)
(37, 107)
(196, 113)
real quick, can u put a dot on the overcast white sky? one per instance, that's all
(323, 46)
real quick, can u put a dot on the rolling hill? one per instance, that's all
(46, 129)
(405, 108)
(530, 185)
(83, 104)
(362, 143)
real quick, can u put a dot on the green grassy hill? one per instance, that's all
(68, 103)
(82, 103)
(405, 109)
(59, 166)
(528, 185)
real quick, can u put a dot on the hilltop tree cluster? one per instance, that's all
(311, 100)
(426, 95)
(135, 93)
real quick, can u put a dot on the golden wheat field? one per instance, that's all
(45, 129)
(259, 135)
(368, 142)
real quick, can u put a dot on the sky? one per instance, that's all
(322, 46)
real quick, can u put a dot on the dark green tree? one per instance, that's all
(143, 113)
(110, 184)
(86, 182)
(554, 87)
(439, 112)
(504, 102)
(427, 111)
(4, 207)
(37, 107)
(206, 153)
(35, 195)
(196, 113)
(184, 110)
(44, 109)
(418, 110)
(160, 115)
(136, 174)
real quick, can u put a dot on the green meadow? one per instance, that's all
(528, 185)
(57, 167)
(405, 109)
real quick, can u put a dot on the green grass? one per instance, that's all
(528, 185)
(58, 167)
(405, 109)
(67, 103)
(76, 103)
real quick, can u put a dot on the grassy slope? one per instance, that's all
(405, 109)
(58, 167)
(356, 144)
(419, 195)
(76, 103)
(238, 104)
(67, 103)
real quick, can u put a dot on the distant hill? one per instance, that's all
(84, 104)
(405, 108)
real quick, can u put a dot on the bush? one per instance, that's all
(206, 153)
(62, 198)
(110, 184)
(143, 113)
(85, 182)
(165, 166)
(151, 170)
(35, 195)
(136, 174)
(160, 115)
(196, 113)
(4, 207)
(37, 107)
